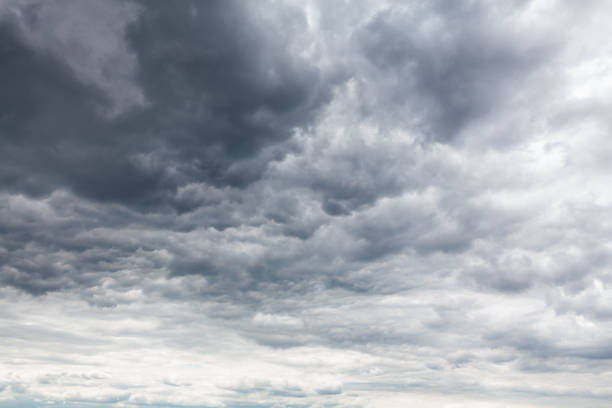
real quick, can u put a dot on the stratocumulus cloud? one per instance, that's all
(313, 203)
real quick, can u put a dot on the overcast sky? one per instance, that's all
(305, 204)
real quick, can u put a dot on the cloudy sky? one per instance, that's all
(305, 204)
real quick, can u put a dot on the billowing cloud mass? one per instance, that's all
(305, 204)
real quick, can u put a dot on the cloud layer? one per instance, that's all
(229, 204)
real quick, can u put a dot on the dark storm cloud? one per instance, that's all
(223, 93)
(302, 203)
(219, 87)
(43, 108)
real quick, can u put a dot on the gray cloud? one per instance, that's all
(452, 64)
(288, 203)
(218, 87)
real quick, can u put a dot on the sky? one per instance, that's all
(305, 203)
